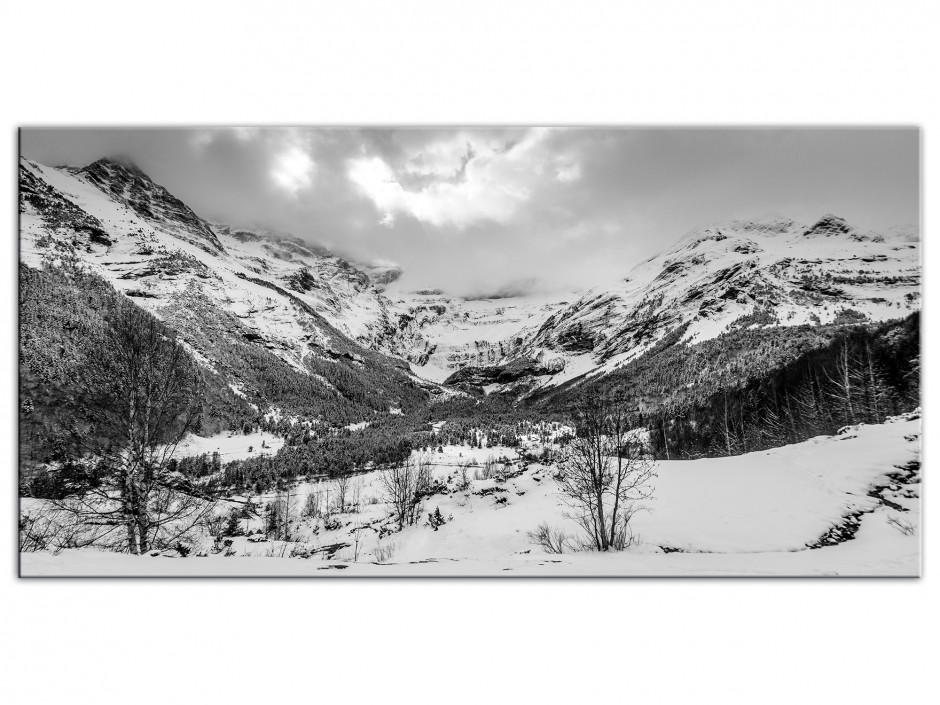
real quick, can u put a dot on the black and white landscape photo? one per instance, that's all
(302, 351)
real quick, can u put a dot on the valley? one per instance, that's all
(748, 515)
(770, 369)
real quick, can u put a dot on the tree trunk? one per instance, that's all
(599, 492)
(129, 510)
(727, 431)
(143, 527)
(131, 534)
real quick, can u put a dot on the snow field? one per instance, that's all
(752, 514)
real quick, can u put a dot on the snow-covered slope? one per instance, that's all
(767, 272)
(441, 334)
(842, 505)
(154, 248)
(236, 297)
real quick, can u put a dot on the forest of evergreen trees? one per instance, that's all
(747, 390)
(864, 375)
(760, 388)
(64, 311)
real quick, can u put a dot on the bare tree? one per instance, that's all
(399, 484)
(280, 513)
(425, 477)
(463, 469)
(605, 470)
(356, 495)
(142, 395)
(383, 551)
(488, 471)
(843, 382)
(311, 508)
(343, 482)
(876, 391)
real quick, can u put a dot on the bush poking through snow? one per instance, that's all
(384, 550)
(548, 539)
(311, 508)
(489, 470)
(233, 524)
(435, 519)
(214, 524)
(463, 473)
(46, 532)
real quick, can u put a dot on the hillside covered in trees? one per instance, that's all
(65, 311)
(760, 388)
(289, 338)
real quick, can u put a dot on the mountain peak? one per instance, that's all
(121, 167)
(828, 226)
(769, 224)
(124, 182)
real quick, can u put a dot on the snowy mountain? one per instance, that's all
(761, 273)
(240, 300)
(297, 299)
(442, 334)
(333, 369)
(152, 247)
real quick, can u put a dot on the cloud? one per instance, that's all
(568, 173)
(471, 210)
(459, 181)
(293, 170)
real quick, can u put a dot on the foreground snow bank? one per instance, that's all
(753, 514)
(775, 500)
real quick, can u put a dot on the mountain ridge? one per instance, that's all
(294, 297)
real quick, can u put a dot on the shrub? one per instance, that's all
(435, 519)
(384, 551)
(548, 539)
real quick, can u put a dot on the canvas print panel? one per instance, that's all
(469, 352)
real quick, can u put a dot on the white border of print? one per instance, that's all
(723, 62)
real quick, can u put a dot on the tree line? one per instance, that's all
(863, 375)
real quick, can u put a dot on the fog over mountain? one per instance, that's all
(480, 211)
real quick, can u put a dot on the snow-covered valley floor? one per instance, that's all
(749, 515)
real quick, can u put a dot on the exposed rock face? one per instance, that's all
(298, 298)
(125, 183)
(382, 276)
(440, 334)
(153, 246)
(56, 211)
(767, 272)
(829, 226)
(518, 370)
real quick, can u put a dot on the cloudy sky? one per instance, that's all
(476, 210)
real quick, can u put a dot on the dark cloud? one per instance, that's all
(477, 209)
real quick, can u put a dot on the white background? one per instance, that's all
(446, 641)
